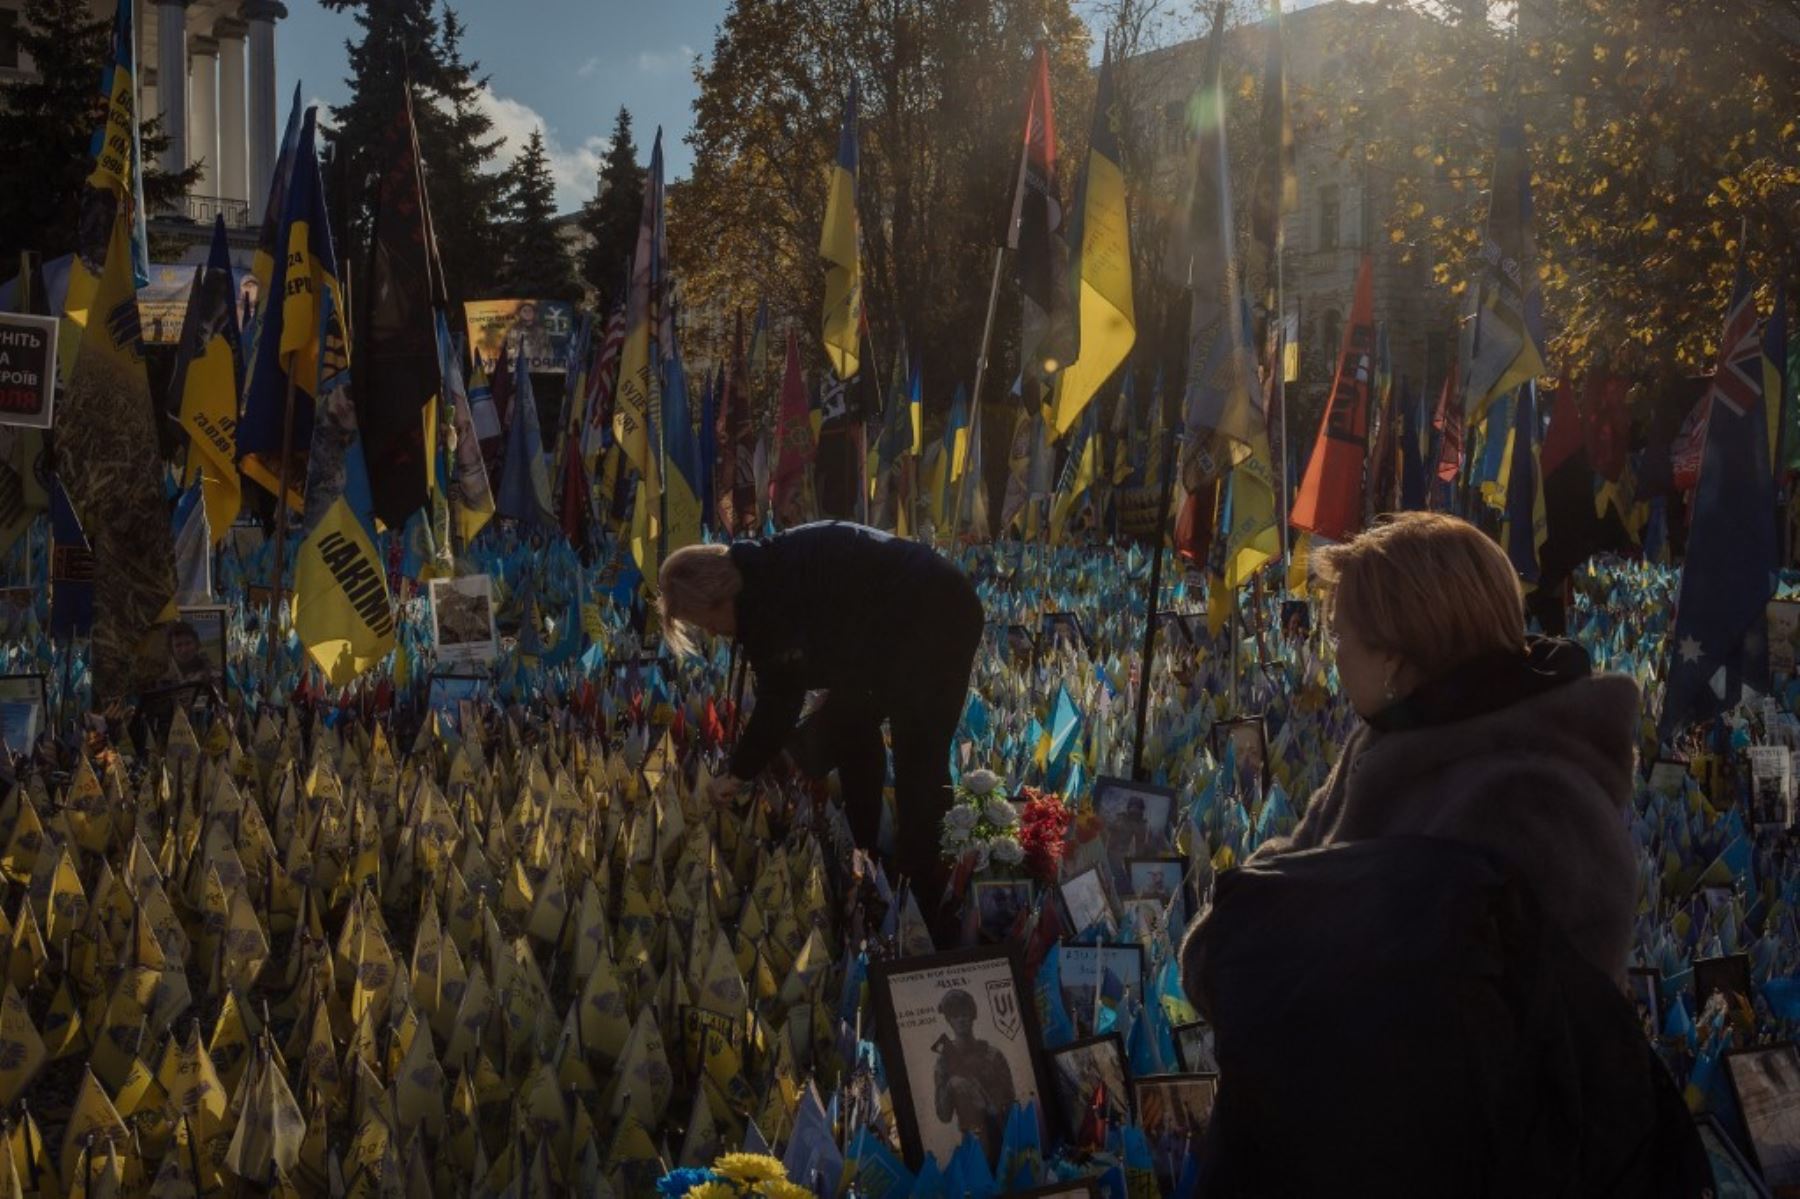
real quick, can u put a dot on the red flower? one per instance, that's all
(1043, 832)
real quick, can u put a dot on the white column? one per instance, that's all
(233, 173)
(171, 80)
(203, 113)
(264, 137)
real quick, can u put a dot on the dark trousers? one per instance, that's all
(921, 698)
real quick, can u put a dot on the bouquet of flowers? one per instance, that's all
(1043, 832)
(733, 1176)
(981, 829)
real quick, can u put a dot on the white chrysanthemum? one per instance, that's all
(980, 782)
(1000, 813)
(1006, 851)
(962, 818)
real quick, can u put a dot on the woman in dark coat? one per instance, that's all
(887, 626)
(1423, 984)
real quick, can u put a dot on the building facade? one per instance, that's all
(208, 68)
(1344, 200)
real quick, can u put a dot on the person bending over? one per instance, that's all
(888, 627)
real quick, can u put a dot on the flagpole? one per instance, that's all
(1156, 558)
(987, 333)
(281, 513)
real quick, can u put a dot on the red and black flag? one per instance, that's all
(399, 377)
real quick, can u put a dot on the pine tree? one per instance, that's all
(537, 265)
(47, 123)
(611, 217)
(466, 201)
(405, 40)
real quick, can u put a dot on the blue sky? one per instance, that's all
(563, 65)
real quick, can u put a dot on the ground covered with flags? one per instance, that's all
(436, 935)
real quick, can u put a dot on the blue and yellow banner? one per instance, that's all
(838, 246)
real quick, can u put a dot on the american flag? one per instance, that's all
(600, 387)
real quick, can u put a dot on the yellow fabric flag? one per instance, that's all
(22, 1051)
(270, 1129)
(95, 1119)
(634, 400)
(210, 379)
(341, 608)
(1100, 268)
(838, 246)
(1254, 536)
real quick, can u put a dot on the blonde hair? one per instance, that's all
(692, 580)
(1429, 587)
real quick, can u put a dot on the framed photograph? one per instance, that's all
(1766, 1081)
(1783, 618)
(1021, 646)
(1062, 628)
(1134, 819)
(445, 692)
(959, 1039)
(1250, 745)
(196, 645)
(1733, 1175)
(998, 904)
(462, 621)
(1160, 879)
(1174, 1110)
(1667, 775)
(1296, 619)
(1093, 1091)
(24, 710)
(1728, 975)
(1096, 974)
(1195, 1046)
(1646, 996)
(1086, 902)
(1771, 786)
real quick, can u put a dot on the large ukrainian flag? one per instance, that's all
(294, 341)
(1100, 275)
(838, 245)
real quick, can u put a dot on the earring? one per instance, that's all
(1387, 689)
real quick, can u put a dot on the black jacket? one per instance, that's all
(833, 606)
(1397, 1017)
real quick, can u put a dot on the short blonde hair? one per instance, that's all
(1429, 587)
(693, 579)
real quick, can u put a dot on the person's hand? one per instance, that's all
(724, 790)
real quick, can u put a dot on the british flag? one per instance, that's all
(1737, 383)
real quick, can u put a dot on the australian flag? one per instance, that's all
(1719, 645)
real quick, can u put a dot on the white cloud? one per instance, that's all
(574, 167)
(587, 69)
(655, 62)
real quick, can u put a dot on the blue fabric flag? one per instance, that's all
(524, 493)
(1053, 1019)
(1719, 644)
(1522, 487)
(877, 1173)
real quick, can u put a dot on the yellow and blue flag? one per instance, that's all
(839, 246)
(1099, 268)
(633, 404)
(1504, 337)
(341, 609)
(684, 472)
(209, 378)
(300, 339)
(1527, 523)
(106, 421)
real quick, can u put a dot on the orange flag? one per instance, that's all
(1329, 502)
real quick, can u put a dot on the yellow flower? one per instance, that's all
(749, 1167)
(780, 1188)
(712, 1190)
